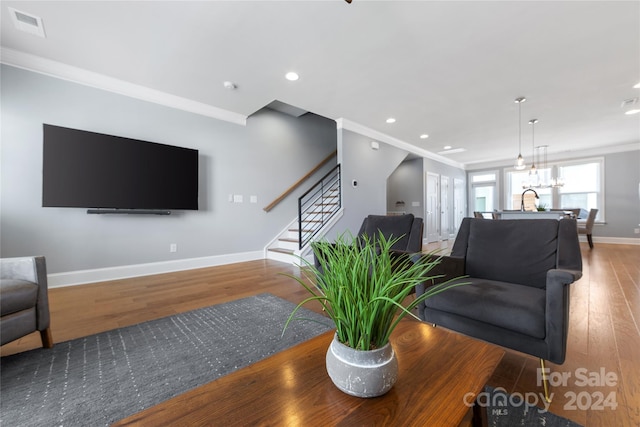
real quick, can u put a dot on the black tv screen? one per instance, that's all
(91, 170)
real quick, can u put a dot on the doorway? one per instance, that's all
(432, 209)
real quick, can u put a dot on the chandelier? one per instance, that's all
(538, 176)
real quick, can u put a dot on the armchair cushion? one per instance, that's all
(17, 295)
(496, 251)
(506, 305)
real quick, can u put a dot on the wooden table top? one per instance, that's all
(437, 368)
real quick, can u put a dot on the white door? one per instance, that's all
(458, 204)
(445, 212)
(432, 213)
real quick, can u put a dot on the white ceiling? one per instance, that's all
(451, 69)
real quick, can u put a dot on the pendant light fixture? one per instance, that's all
(534, 178)
(520, 160)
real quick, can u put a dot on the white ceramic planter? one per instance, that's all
(362, 373)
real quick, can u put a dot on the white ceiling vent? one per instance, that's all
(26, 22)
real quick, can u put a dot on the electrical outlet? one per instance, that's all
(173, 247)
(636, 230)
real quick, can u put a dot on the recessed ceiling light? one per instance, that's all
(291, 76)
(229, 85)
(424, 136)
(447, 147)
(634, 111)
(636, 86)
(391, 120)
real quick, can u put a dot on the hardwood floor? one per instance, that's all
(604, 334)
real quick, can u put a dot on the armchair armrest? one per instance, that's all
(557, 311)
(562, 276)
(447, 268)
(23, 268)
(31, 269)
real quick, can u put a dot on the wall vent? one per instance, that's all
(26, 22)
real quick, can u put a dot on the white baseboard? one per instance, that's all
(81, 277)
(614, 240)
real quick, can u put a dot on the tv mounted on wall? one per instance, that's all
(111, 174)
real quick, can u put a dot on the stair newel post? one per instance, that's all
(300, 223)
(322, 195)
(339, 186)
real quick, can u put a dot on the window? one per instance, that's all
(583, 186)
(518, 181)
(483, 191)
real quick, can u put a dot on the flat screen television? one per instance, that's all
(92, 170)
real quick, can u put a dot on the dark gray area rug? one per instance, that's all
(509, 410)
(102, 378)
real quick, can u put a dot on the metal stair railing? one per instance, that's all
(318, 205)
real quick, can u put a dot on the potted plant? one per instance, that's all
(362, 285)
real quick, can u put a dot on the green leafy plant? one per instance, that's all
(362, 285)
(541, 208)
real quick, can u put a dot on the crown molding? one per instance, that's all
(379, 136)
(84, 77)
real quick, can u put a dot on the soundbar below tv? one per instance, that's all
(84, 169)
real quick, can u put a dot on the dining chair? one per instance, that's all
(587, 226)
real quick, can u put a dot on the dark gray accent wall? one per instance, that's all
(263, 158)
(406, 184)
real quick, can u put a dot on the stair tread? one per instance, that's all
(288, 239)
(283, 251)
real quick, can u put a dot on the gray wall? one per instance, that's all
(622, 201)
(382, 175)
(263, 158)
(452, 172)
(406, 184)
(370, 168)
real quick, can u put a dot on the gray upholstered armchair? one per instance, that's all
(519, 273)
(24, 301)
(407, 228)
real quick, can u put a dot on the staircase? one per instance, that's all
(318, 209)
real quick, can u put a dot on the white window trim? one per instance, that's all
(471, 184)
(601, 192)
